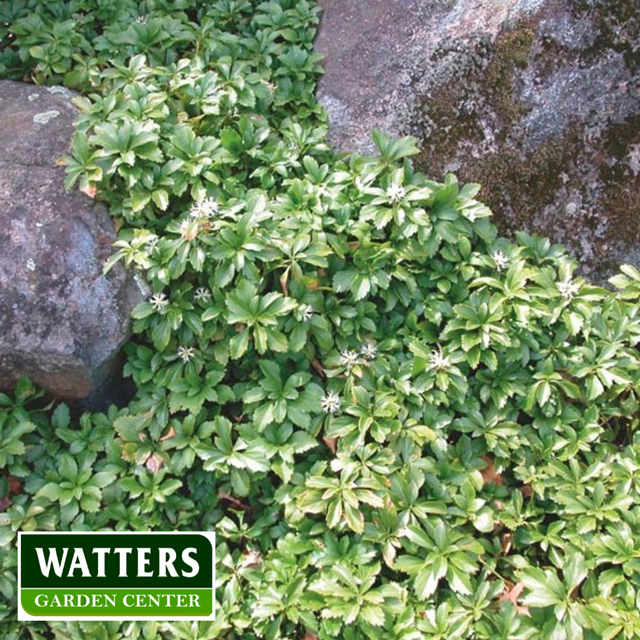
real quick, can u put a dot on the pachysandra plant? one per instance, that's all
(400, 425)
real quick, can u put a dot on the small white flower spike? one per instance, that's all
(202, 294)
(330, 402)
(396, 192)
(186, 353)
(568, 290)
(349, 359)
(438, 360)
(501, 261)
(159, 301)
(369, 351)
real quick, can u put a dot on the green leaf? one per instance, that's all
(51, 491)
(544, 588)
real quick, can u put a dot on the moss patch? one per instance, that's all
(621, 191)
(522, 191)
(532, 180)
(478, 88)
(576, 187)
(511, 52)
(617, 23)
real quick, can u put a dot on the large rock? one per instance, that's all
(535, 99)
(62, 322)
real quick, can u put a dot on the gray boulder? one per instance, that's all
(535, 99)
(62, 322)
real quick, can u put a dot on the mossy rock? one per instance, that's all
(534, 99)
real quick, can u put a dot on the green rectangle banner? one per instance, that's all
(116, 575)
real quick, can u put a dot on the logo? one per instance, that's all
(116, 576)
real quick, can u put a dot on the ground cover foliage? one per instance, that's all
(400, 425)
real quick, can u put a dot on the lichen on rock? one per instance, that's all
(46, 116)
(535, 100)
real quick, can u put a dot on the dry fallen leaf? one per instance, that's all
(317, 365)
(526, 490)
(251, 559)
(489, 474)
(511, 594)
(170, 433)
(505, 542)
(283, 286)
(89, 190)
(154, 463)
(15, 486)
(5, 503)
(331, 443)
(235, 503)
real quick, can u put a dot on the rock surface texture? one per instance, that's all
(62, 322)
(535, 99)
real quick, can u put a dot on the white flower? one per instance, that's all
(141, 19)
(568, 290)
(152, 244)
(159, 301)
(31, 265)
(330, 402)
(501, 261)
(204, 208)
(349, 359)
(307, 312)
(202, 294)
(369, 351)
(396, 192)
(438, 360)
(186, 353)
(189, 229)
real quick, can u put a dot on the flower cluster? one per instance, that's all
(500, 260)
(349, 359)
(568, 289)
(201, 294)
(438, 360)
(307, 312)
(369, 351)
(186, 354)
(204, 209)
(331, 402)
(159, 301)
(396, 192)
